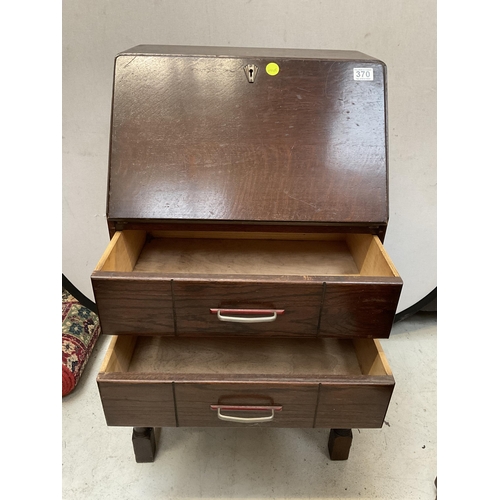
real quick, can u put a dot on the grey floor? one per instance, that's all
(395, 462)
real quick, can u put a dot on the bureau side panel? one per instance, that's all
(360, 309)
(133, 305)
(137, 404)
(348, 406)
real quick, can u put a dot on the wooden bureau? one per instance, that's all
(246, 282)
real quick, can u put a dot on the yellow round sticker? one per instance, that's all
(272, 69)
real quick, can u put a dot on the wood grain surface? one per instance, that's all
(245, 256)
(135, 305)
(300, 301)
(354, 405)
(137, 404)
(360, 308)
(194, 400)
(192, 140)
(268, 357)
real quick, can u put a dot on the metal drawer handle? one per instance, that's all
(248, 420)
(221, 314)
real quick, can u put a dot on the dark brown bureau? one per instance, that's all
(246, 282)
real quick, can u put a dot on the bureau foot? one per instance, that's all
(144, 442)
(339, 443)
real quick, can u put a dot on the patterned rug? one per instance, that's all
(80, 331)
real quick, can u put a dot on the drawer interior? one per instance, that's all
(247, 254)
(171, 358)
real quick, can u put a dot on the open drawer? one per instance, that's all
(167, 381)
(259, 284)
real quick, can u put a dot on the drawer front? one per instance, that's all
(349, 406)
(356, 309)
(297, 306)
(225, 404)
(137, 403)
(134, 306)
(217, 404)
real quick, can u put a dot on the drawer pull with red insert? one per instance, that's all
(247, 315)
(248, 420)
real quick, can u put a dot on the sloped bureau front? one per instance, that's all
(192, 140)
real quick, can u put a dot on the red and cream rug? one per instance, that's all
(80, 331)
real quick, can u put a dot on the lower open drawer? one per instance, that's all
(169, 382)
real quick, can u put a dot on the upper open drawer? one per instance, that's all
(264, 284)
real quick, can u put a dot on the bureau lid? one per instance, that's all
(227, 134)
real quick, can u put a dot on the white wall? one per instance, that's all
(402, 34)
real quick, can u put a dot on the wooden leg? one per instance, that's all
(339, 443)
(144, 442)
